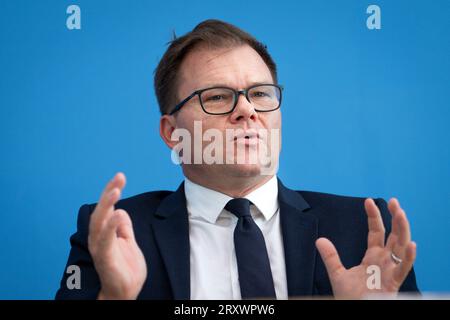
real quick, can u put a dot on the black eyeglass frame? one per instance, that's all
(237, 93)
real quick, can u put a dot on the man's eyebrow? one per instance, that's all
(224, 85)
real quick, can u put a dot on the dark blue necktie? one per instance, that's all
(255, 276)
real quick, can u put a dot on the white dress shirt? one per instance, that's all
(214, 272)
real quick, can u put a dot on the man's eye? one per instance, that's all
(217, 97)
(260, 94)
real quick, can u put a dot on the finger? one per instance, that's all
(391, 241)
(329, 256)
(405, 266)
(103, 211)
(125, 228)
(404, 231)
(109, 197)
(401, 232)
(393, 204)
(109, 232)
(118, 181)
(375, 237)
(393, 207)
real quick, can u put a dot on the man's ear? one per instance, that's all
(167, 124)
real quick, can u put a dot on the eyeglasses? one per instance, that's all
(223, 100)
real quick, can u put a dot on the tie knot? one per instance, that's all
(240, 207)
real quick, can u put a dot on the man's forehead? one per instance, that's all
(231, 67)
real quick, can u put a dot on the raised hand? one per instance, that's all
(118, 259)
(394, 259)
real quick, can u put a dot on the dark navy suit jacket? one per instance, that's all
(161, 227)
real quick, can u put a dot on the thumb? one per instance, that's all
(124, 225)
(329, 256)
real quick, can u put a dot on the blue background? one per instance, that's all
(366, 113)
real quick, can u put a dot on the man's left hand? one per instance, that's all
(394, 258)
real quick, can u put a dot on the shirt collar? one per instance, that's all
(208, 204)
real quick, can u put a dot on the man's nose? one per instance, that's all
(244, 110)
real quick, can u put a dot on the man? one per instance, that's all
(232, 230)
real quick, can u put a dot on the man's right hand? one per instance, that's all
(118, 259)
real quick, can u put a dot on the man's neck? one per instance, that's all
(235, 187)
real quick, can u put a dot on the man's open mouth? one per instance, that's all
(247, 135)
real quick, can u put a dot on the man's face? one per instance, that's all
(237, 68)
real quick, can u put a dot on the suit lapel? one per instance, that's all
(171, 229)
(300, 231)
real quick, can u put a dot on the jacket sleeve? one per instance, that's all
(80, 257)
(409, 284)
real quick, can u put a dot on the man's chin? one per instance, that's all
(243, 170)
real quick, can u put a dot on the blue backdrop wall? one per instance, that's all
(366, 113)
